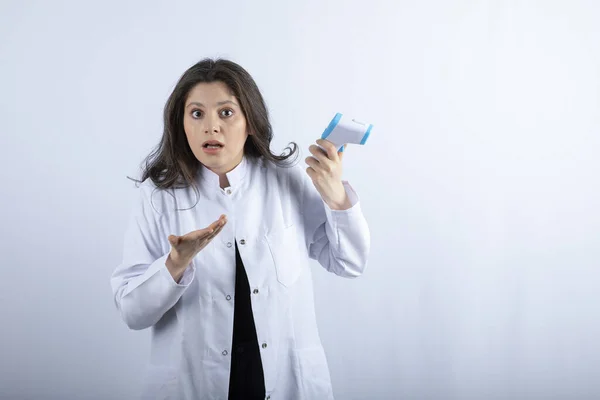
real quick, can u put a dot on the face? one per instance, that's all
(215, 126)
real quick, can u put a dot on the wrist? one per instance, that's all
(342, 203)
(176, 266)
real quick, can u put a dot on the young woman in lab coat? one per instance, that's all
(216, 254)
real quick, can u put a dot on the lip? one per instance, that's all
(212, 142)
(214, 150)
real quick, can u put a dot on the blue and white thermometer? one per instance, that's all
(343, 130)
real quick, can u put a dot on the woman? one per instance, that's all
(216, 253)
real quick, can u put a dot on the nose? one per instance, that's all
(211, 126)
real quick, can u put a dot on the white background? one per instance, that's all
(479, 182)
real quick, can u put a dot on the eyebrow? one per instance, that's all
(195, 103)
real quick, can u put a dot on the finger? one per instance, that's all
(202, 234)
(313, 163)
(311, 173)
(320, 154)
(316, 151)
(221, 221)
(209, 237)
(218, 223)
(199, 234)
(218, 227)
(329, 148)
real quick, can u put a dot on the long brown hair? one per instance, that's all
(172, 163)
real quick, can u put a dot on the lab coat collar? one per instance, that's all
(235, 176)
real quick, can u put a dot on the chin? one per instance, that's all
(213, 164)
(217, 162)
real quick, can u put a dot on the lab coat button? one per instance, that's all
(228, 191)
(255, 291)
(242, 241)
(264, 345)
(228, 297)
(224, 352)
(229, 244)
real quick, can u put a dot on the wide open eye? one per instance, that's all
(227, 110)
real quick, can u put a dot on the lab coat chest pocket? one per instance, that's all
(288, 255)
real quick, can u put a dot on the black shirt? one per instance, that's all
(246, 380)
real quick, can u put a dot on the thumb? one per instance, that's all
(174, 240)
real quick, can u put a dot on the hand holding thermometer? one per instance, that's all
(343, 130)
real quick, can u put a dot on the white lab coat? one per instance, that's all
(278, 220)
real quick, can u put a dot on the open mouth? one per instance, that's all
(212, 145)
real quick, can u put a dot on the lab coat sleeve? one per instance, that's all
(143, 287)
(339, 240)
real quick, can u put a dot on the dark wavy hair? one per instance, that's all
(172, 163)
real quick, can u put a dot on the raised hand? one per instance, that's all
(325, 171)
(185, 248)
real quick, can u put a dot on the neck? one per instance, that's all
(222, 172)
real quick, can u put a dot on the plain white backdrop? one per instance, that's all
(479, 182)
